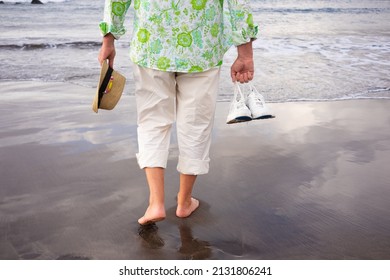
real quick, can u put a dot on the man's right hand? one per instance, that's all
(107, 50)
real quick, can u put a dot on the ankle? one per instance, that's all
(183, 200)
(156, 201)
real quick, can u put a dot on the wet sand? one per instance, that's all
(313, 183)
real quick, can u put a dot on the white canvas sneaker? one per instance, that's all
(256, 104)
(238, 111)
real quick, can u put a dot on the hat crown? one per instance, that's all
(109, 89)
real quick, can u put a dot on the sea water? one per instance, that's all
(306, 50)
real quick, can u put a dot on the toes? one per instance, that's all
(145, 221)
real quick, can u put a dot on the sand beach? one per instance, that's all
(312, 183)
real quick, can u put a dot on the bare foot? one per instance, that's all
(152, 215)
(186, 210)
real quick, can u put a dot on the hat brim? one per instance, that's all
(117, 82)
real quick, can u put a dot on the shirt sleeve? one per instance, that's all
(241, 20)
(114, 17)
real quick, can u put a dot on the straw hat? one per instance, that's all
(109, 89)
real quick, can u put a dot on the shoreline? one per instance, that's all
(127, 92)
(311, 183)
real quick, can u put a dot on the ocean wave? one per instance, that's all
(291, 100)
(29, 1)
(377, 93)
(323, 10)
(36, 46)
(89, 81)
(378, 90)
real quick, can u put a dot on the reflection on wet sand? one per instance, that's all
(149, 233)
(190, 248)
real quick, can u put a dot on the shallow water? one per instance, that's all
(307, 50)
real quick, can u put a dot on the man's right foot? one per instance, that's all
(184, 211)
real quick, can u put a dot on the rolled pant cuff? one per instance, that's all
(156, 158)
(193, 166)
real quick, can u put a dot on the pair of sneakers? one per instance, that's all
(247, 107)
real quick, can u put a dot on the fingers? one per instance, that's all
(250, 76)
(242, 77)
(102, 57)
(242, 70)
(111, 62)
(233, 75)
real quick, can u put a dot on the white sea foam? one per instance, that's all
(29, 1)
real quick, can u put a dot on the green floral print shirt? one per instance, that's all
(181, 35)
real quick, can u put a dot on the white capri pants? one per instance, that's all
(190, 99)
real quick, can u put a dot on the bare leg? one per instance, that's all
(186, 204)
(156, 210)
